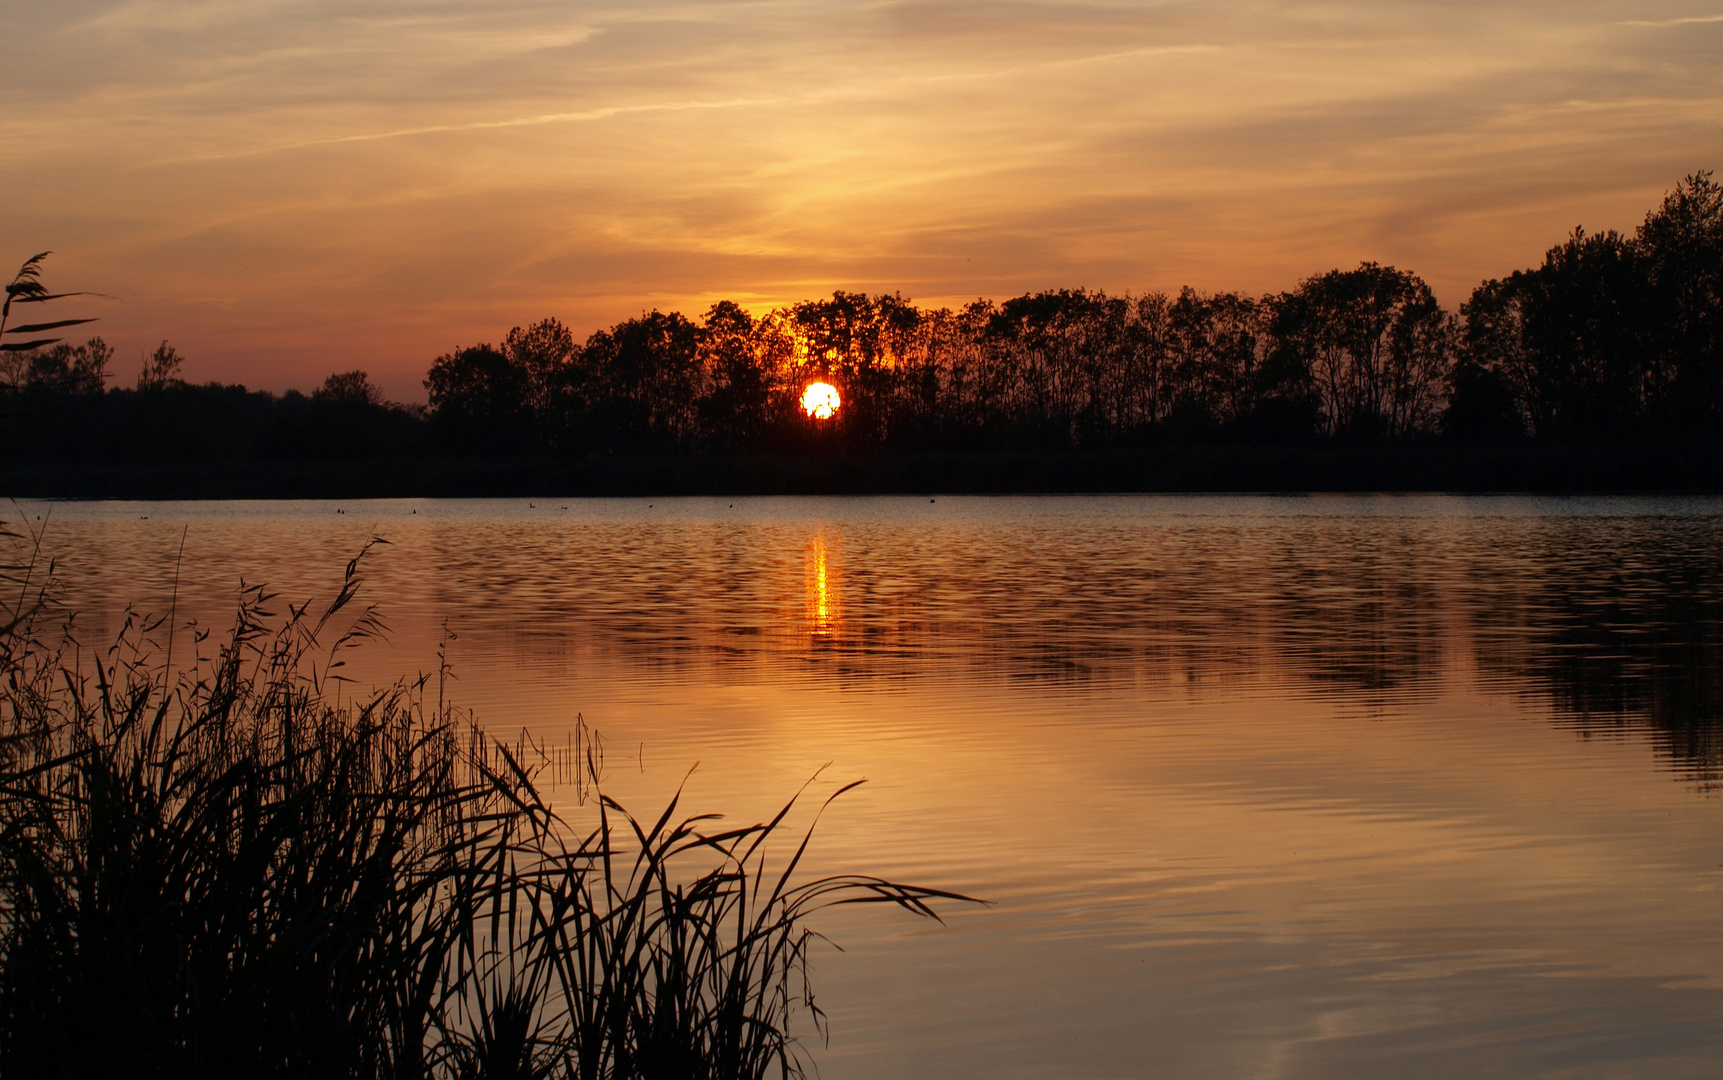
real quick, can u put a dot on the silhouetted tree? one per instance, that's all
(639, 382)
(1481, 405)
(345, 418)
(845, 340)
(60, 368)
(1214, 346)
(1570, 337)
(734, 408)
(1058, 351)
(1680, 253)
(541, 355)
(161, 368)
(349, 388)
(478, 402)
(1372, 344)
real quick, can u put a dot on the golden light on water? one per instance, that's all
(821, 606)
(820, 400)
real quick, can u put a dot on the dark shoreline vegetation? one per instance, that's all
(1688, 466)
(236, 867)
(1601, 369)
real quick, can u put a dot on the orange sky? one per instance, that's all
(286, 189)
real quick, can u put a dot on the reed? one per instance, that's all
(225, 869)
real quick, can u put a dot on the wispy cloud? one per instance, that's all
(584, 116)
(1683, 20)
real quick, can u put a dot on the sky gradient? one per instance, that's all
(287, 189)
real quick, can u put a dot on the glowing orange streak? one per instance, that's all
(819, 587)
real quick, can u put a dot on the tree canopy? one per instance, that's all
(1612, 337)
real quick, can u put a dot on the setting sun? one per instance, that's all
(820, 400)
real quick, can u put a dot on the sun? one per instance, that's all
(820, 400)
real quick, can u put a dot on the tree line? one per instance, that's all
(1613, 337)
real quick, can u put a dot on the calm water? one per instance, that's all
(1259, 787)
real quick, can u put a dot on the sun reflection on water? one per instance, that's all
(822, 605)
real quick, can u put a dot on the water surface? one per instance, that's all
(1259, 787)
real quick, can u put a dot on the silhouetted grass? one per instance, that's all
(235, 871)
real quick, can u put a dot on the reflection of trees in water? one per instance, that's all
(1366, 616)
(1618, 626)
(1640, 660)
(1685, 709)
(1615, 624)
(1612, 623)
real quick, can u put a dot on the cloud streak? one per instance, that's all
(1686, 20)
(604, 113)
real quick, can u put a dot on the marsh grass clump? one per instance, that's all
(231, 869)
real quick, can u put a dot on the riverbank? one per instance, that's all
(1429, 467)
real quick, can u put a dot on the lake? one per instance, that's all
(1393, 786)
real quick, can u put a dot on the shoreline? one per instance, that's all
(1430, 467)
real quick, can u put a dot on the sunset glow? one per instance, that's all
(820, 401)
(1190, 532)
(285, 191)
